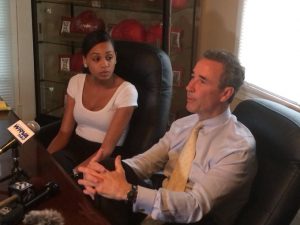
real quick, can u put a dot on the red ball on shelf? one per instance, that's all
(130, 30)
(154, 34)
(179, 4)
(86, 22)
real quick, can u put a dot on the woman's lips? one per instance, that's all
(105, 73)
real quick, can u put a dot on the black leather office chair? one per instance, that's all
(275, 195)
(149, 69)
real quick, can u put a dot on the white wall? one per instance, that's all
(219, 26)
(23, 69)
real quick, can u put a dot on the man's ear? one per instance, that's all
(226, 94)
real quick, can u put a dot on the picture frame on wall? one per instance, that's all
(177, 77)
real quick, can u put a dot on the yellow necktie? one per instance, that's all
(179, 176)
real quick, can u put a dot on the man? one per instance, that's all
(222, 170)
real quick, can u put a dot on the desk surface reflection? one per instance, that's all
(75, 207)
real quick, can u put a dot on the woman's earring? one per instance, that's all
(85, 65)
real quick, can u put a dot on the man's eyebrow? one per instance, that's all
(200, 76)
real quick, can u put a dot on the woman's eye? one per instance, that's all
(109, 57)
(96, 59)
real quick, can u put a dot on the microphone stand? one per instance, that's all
(17, 173)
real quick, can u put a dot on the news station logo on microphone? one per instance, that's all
(21, 131)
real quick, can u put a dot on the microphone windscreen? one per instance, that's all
(33, 125)
(11, 214)
(43, 217)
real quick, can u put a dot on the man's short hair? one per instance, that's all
(233, 74)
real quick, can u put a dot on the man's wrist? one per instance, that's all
(132, 194)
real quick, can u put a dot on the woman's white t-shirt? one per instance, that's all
(92, 125)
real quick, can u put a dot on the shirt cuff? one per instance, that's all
(145, 200)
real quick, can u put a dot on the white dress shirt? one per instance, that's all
(220, 177)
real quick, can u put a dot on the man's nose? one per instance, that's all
(189, 86)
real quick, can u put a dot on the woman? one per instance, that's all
(100, 105)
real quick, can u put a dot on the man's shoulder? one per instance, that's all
(241, 129)
(238, 135)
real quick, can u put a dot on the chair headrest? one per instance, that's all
(272, 123)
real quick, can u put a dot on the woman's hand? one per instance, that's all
(96, 157)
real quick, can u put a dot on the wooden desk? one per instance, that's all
(75, 207)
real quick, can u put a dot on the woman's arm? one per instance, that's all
(66, 128)
(118, 124)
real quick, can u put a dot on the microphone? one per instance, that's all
(50, 189)
(8, 200)
(13, 215)
(24, 195)
(33, 125)
(26, 191)
(22, 132)
(12, 212)
(43, 217)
